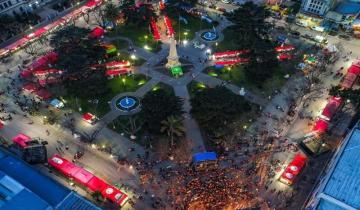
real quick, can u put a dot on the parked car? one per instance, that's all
(295, 33)
(345, 37)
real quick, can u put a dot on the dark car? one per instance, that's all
(345, 37)
(295, 33)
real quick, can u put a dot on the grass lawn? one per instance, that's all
(236, 75)
(187, 31)
(229, 41)
(195, 86)
(116, 85)
(140, 35)
(126, 56)
(163, 86)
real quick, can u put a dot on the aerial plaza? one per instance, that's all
(194, 105)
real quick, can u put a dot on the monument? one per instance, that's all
(173, 62)
(173, 58)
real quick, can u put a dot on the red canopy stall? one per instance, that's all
(349, 80)
(1, 124)
(232, 62)
(293, 169)
(117, 64)
(284, 56)
(43, 94)
(331, 108)
(321, 126)
(36, 34)
(90, 118)
(87, 179)
(117, 72)
(284, 48)
(227, 54)
(154, 29)
(97, 32)
(30, 87)
(21, 140)
(170, 30)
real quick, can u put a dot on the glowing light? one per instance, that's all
(146, 47)
(133, 56)
(185, 42)
(208, 50)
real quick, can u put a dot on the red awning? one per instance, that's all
(114, 195)
(96, 184)
(284, 56)
(1, 124)
(21, 140)
(320, 126)
(31, 87)
(97, 32)
(43, 61)
(349, 80)
(155, 29)
(43, 94)
(284, 48)
(25, 73)
(232, 53)
(45, 72)
(170, 30)
(232, 62)
(82, 176)
(64, 166)
(331, 108)
(88, 117)
(116, 72)
(293, 169)
(37, 33)
(117, 64)
(354, 69)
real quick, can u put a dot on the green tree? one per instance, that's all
(172, 125)
(213, 108)
(111, 12)
(157, 106)
(353, 95)
(253, 34)
(136, 15)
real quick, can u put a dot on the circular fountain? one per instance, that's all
(209, 36)
(127, 103)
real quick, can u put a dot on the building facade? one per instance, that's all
(317, 7)
(338, 188)
(11, 7)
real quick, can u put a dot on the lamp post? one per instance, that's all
(124, 82)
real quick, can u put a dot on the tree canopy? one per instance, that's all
(157, 106)
(213, 108)
(77, 53)
(253, 34)
(138, 15)
(353, 95)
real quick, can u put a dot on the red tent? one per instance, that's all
(64, 166)
(116, 72)
(170, 30)
(284, 48)
(1, 124)
(97, 32)
(45, 72)
(117, 64)
(92, 3)
(232, 62)
(232, 53)
(88, 117)
(320, 126)
(31, 87)
(82, 176)
(44, 82)
(349, 80)
(114, 195)
(293, 169)
(21, 140)
(43, 61)
(284, 56)
(43, 94)
(37, 33)
(25, 73)
(96, 184)
(331, 108)
(354, 69)
(155, 29)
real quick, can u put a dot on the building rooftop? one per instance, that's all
(340, 188)
(23, 187)
(348, 8)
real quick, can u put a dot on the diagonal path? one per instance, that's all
(193, 133)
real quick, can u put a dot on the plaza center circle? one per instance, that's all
(127, 103)
(209, 36)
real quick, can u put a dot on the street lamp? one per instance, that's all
(124, 81)
(133, 56)
(185, 42)
(208, 51)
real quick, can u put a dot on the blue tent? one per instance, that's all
(204, 156)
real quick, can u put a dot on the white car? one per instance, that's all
(198, 45)
(226, 1)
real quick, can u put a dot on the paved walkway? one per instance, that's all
(193, 133)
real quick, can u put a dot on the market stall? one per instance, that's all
(331, 108)
(293, 170)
